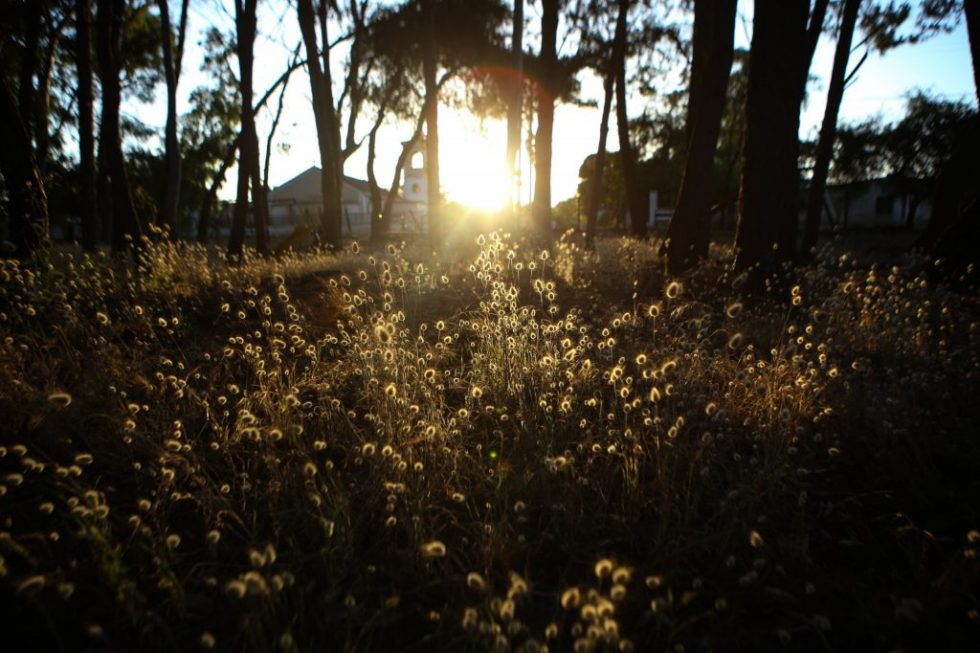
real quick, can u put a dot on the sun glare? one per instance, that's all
(473, 169)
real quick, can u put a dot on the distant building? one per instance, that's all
(299, 202)
(891, 201)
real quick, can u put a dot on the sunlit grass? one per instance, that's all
(496, 448)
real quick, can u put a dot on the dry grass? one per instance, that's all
(501, 449)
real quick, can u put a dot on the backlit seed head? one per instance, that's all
(571, 598)
(60, 399)
(603, 568)
(433, 549)
(476, 582)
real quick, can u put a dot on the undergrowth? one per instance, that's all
(501, 449)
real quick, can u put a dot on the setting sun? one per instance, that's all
(473, 167)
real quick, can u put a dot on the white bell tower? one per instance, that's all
(415, 187)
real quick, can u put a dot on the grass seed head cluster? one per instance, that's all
(505, 450)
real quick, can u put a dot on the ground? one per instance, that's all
(488, 448)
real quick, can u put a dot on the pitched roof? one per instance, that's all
(305, 187)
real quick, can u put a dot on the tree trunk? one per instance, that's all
(595, 192)
(638, 206)
(769, 197)
(400, 165)
(248, 150)
(546, 119)
(126, 231)
(27, 207)
(828, 130)
(429, 66)
(324, 114)
(379, 228)
(86, 136)
(42, 138)
(954, 184)
(28, 66)
(167, 217)
(714, 36)
(515, 111)
(972, 10)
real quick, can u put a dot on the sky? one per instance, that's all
(472, 150)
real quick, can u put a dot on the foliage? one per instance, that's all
(492, 450)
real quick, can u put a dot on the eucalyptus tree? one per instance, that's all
(713, 51)
(111, 18)
(246, 19)
(548, 78)
(592, 18)
(26, 206)
(173, 56)
(784, 36)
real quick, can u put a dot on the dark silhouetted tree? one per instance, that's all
(248, 159)
(784, 35)
(714, 29)
(173, 56)
(126, 228)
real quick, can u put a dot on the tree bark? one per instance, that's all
(515, 110)
(27, 207)
(543, 140)
(248, 151)
(86, 137)
(167, 217)
(379, 228)
(635, 199)
(325, 117)
(769, 197)
(714, 36)
(972, 10)
(429, 72)
(595, 192)
(28, 66)
(126, 230)
(828, 129)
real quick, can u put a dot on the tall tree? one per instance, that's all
(828, 128)
(515, 109)
(172, 60)
(595, 185)
(784, 35)
(249, 174)
(429, 71)
(548, 73)
(324, 113)
(27, 205)
(689, 230)
(635, 195)
(972, 10)
(126, 229)
(86, 136)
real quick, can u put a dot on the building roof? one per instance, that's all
(305, 188)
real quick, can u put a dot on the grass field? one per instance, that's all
(491, 449)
